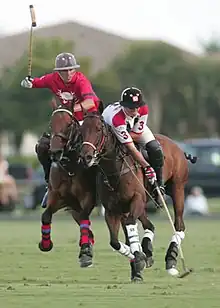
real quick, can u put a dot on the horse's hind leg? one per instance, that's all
(46, 243)
(177, 196)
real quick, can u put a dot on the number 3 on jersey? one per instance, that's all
(124, 134)
(141, 125)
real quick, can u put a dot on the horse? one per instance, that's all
(124, 191)
(122, 196)
(70, 186)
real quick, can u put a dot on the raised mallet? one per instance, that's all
(33, 25)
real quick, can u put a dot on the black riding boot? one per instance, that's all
(42, 150)
(156, 159)
(46, 166)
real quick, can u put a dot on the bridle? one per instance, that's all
(102, 140)
(74, 120)
(69, 138)
(62, 135)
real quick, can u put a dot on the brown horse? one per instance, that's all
(70, 185)
(124, 196)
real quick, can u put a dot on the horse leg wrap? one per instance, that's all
(172, 252)
(133, 236)
(125, 251)
(84, 232)
(91, 237)
(45, 231)
(147, 242)
(178, 237)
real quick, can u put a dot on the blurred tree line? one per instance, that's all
(182, 89)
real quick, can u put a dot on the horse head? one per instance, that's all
(65, 131)
(94, 135)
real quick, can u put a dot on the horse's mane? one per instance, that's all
(120, 148)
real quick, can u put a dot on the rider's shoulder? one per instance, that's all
(119, 118)
(80, 77)
(143, 110)
(114, 106)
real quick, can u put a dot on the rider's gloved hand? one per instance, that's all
(150, 174)
(27, 82)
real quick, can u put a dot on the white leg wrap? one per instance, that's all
(149, 234)
(133, 236)
(146, 136)
(125, 251)
(178, 237)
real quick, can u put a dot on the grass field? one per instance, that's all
(30, 278)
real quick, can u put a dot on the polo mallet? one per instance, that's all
(186, 271)
(33, 25)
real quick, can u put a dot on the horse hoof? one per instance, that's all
(86, 255)
(137, 278)
(47, 248)
(171, 264)
(140, 261)
(85, 261)
(149, 262)
(173, 272)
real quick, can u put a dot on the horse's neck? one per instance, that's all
(115, 156)
(71, 150)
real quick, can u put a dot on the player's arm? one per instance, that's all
(88, 96)
(37, 82)
(124, 137)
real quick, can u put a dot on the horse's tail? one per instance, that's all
(192, 159)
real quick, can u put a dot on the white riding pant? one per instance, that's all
(146, 136)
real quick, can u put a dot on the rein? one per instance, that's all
(98, 149)
(74, 120)
(120, 154)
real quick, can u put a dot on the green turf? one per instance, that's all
(30, 278)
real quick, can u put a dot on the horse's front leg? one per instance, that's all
(53, 205)
(86, 235)
(76, 216)
(113, 223)
(147, 241)
(172, 251)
